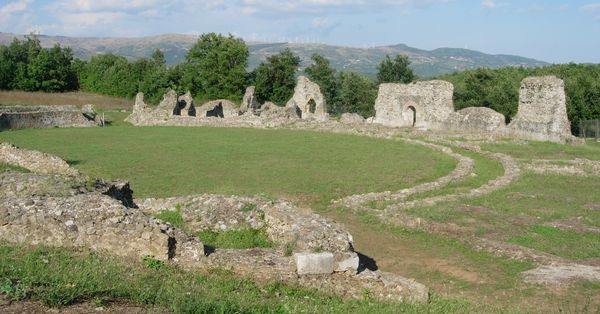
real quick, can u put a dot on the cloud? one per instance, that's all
(14, 14)
(330, 6)
(488, 4)
(593, 8)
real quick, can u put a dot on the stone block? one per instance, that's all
(314, 263)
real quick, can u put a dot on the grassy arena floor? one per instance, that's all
(305, 166)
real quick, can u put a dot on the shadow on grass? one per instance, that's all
(74, 162)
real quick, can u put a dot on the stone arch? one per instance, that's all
(312, 105)
(411, 115)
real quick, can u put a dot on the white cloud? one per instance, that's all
(593, 8)
(488, 4)
(322, 6)
(14, 14)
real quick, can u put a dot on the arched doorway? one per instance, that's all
(312, 106)
(411, 115)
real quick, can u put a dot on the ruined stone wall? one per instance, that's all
(476, 119)
(424, 105)
(542, 114)
(18, 117)
(34, 161)
(306, 92)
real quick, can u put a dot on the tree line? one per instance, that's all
(498, 89)
(216, 67)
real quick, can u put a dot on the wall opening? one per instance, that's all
(217, 111)
(312, 106)
(412, 115)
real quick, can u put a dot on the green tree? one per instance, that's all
(216, 66)
(275, 79)
(356, 93)
(158, 57)
(323, 74)
(26, 65)
(395, 71)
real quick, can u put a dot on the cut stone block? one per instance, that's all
(314, 263)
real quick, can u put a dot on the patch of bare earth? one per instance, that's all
(67, 98)
(111, 307)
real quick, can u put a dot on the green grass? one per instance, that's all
(6, 167)
(235, 239)
(171, 216)
(485, 169)
(171, 161)
(547, 150)
(60, 277)
(532, 199)
(565, 243)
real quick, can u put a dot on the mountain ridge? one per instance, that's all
(425, 63)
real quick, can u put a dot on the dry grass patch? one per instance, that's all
(69, 98)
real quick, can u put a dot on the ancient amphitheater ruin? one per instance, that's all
(428, 105)
(56, 205)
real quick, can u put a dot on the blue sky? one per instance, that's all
(552, 30)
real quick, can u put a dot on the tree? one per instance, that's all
(396, 71)
(26, 65)
(219, 65)
(323, 74)
(275, 79)
(356, 94)
(158, 57)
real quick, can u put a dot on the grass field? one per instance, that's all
(170, 161)
(70, 98)
(313, 168)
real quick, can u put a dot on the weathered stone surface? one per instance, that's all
(167, 105)
(185, 106)
(34, 161)
(249, 102)
(477, 119)
(307, 231)
(270, 111)
(426, 105)
(314, 263)
(90, 220)
(542, 114)
(221, 108)
(18, 117)
(351, 118)
(347, 262)
(305, 93)
(139, 106)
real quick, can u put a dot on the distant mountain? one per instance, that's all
(425, 63)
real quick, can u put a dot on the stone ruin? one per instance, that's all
(307, 103)
(56, 206)
(249, 101)
(18, 117)
(542, 113)
(308, 98)
(425, 105)
(221, 108)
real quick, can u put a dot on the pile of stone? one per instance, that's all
(55, 206)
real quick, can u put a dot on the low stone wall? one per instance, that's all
(19, 117)
(34, 161)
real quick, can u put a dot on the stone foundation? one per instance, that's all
(19, 117)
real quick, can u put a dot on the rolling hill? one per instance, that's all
(426, 63)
